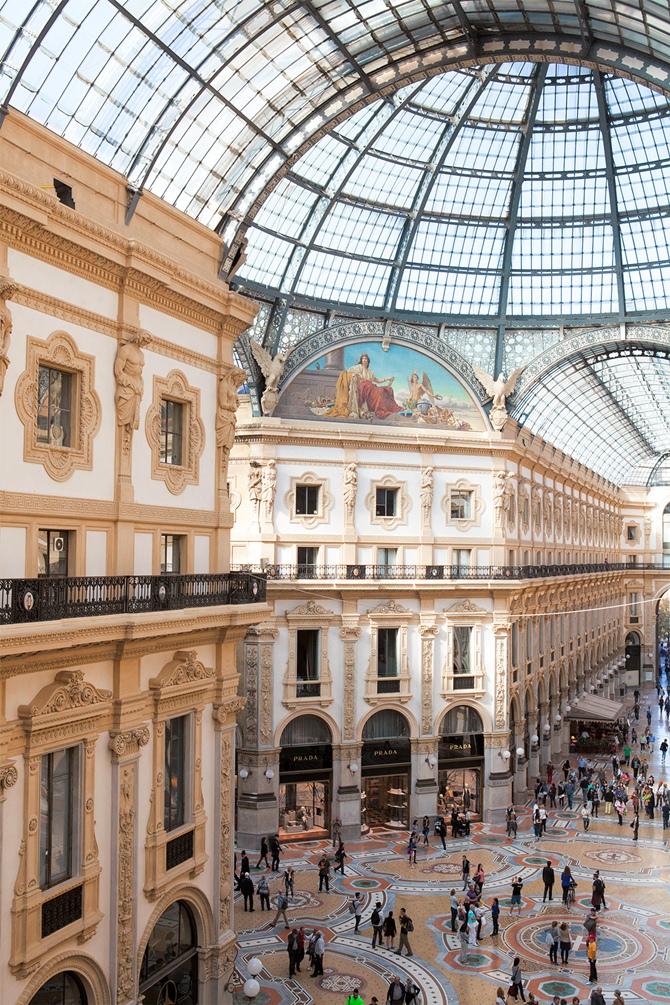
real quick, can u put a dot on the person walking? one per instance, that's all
(411, 992)
(293, 949)
(390, 929)
(377, 922)
(357, 904)
(465, 871)
(247, 889)
(337, 832)
(516, 978)
(495, 915)
(553, 938)
(355, 997)
(289, 880)
(426, 830)
(442, 831)
(517, 886)
(463, 936)
(282, 904)
(340, 856)
(324, 873)
(406, 928)
(263, 857)
(263, 891)
(636, 826)
(411, 849)
(454, 909)
(586, 816)
(319, 950)
(275, 849)
(592, 952)
(548, 878)
(664, 749)
(565, 942)
(396, 992)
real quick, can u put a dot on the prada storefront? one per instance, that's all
(386, 770)
(305, 777)
(460, 762)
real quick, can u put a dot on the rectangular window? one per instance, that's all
(529, 640)
(307, 499)
(461, 560)
(631, 532)
(177, 739)
(308, 666)
(540, 634)
(526, 557)
(172, 425)
(170, 553)
(386, 502)
(52, 552)
(461, 505)
(515, 644)
(462, 659)
(633, 601)
(387, 661)
(632, 560)
(552, 632)
(387, 556)
(54, 407)
(307, 560)
(59, 797)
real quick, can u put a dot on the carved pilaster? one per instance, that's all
(428, 633)
(125, 977)
(266, 694)
(501, 636)
(225, 870)
(251, 654)
(350, 635)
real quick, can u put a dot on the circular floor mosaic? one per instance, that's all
(617, 856)
(340, 984)
(617, 946)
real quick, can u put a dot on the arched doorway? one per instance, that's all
(386, 770)
(460, 761)
(65, 988)
(169, 972)
(305, 777)
(633, 659)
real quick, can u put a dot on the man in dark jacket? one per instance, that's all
(247, 888)
(597, 997)
(396, 992)
(548, 878)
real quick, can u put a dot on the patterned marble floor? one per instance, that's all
(633, 935)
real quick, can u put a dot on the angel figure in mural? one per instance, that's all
(360, 393)
(272, 369)
(419, 390)
(499, 389)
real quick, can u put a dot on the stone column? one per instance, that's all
(8, 778)
(347, 789)
(497, 778)
(423, 785)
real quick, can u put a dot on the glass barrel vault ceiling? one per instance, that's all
(494, 194)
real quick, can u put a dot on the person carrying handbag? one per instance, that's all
(516, 979)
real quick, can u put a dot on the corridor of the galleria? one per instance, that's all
(334, 502)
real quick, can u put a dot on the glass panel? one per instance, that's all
(462, 637)
(304, 806)
(387, 652)
(62, 989)
(52, 552)
(308, 669)
(307, 499)
(58, 787)
(305, 730)
(176, 738)
(461, 505)
(54, 393)
(172, 420)
(170, 553)
(461, 719)
(387, 724)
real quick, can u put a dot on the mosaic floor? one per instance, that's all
(633, 935)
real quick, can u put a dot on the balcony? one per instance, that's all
(52, 599)
(434, 572)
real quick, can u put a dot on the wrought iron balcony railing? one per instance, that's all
(437, 572)
(51, 599)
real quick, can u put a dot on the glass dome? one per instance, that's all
(486, 195)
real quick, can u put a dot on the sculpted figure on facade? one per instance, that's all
(350, 486)
(255, 491)
(7, 291)
(524, 503)
(226, 409)
(536, 507)
(128, 367)
(272, 369)
(501, 498)
(499, 389)
(558, 514)
(575, 521)
(427, 492)
(269, 489)
(548, 511)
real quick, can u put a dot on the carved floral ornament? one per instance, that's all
(60, 352)
(68, 691)
(175, 387)
(183, 668)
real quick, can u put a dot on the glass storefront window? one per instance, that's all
(387, 800)
(62, 989)
(170, 966)
(304, 806)
(459, 788)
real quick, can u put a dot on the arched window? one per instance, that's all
(171, 957)
(304, 731)
(387, 724)
(62, 989)
(461, 719)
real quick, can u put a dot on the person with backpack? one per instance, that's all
(598, 896)
(516, 979)
(263, 891)
(406, 928)
(377, 922)
(293, 949)
(282, 904)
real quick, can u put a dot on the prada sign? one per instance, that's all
(294, 760)
(461, 746)
(379, 752)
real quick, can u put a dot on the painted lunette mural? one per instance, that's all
(395, 387)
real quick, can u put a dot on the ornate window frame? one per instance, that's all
(464, 614)
(639, 537)
(176, 476)
(65, 713)
(326, 500)
(477, 504)
(309, 615)
(184, 686)
(60, 352)
(404, 502)
(389, 615)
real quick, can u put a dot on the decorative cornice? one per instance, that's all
(390, 607)
(466, 607)
(311, 608)
(67, 691)
(183, 668)
(127, 743)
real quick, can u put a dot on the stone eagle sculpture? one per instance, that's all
(499, 389)
(272, 369)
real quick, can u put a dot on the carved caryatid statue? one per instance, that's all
(499, 389)
(269, 488)
(7, 291)
(272, 369)
(128, 367)
(226, 418)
